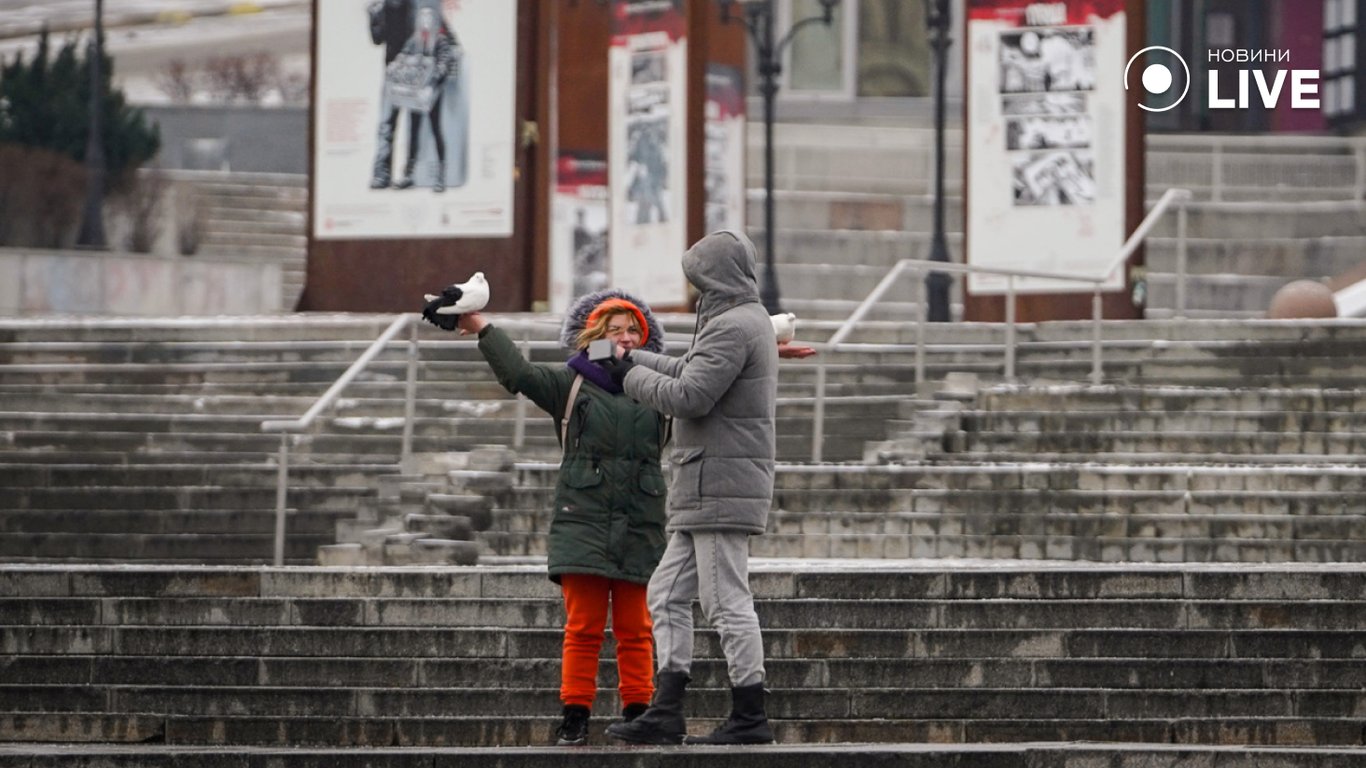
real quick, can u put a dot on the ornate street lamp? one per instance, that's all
(757, 17)
(937, 283)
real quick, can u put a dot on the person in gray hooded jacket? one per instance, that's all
(722, 395)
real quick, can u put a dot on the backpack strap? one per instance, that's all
(569, 410)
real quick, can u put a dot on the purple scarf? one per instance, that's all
(593, 372)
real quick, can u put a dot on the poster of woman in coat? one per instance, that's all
(414, 118)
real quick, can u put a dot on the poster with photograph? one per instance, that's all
(579, 245)
(725, 149)
(414, 118)
(647, 149)
(1046, 141)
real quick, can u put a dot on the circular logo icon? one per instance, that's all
(1159, 73)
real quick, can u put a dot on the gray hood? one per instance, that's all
(722, 266)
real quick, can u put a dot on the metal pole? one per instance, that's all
(281, 484)
(409, 402)
(818, 412)
(938, 283)
(769, 69)
(1095, 335)
(1010, 328)
(1359, 187)
(1217, 182)
(920, 334)
(1181, 260)
(758, 20)
(519, 424)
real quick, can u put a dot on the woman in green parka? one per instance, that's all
(607, 532)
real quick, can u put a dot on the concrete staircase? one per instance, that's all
(965, 652)
(127, 442)
(262, 215)
(851, 201)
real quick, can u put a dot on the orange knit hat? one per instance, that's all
(616, 305)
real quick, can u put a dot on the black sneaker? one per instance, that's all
(573, 731)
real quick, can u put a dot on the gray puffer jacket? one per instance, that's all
(722, 394)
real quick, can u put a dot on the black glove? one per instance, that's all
(617, 367)
(448, 297)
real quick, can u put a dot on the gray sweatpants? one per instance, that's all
(712, 566)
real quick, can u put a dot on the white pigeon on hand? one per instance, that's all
(784, 326)
(469, 296)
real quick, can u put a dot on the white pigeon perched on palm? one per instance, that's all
(784, 326)
(444, 310)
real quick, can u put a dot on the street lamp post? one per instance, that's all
(937, 283)
(758, 20)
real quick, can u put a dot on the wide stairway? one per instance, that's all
(965, 652)
(1164, 570)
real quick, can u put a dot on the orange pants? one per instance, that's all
(586, 598)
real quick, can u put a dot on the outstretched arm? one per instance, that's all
(716, 361)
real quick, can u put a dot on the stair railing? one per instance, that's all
(918, 267)
(289, 427)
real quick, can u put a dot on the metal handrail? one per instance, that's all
(919, 266)
(286, 427)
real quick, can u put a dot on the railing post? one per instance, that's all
(1095, 335)
(519, 424)
(1359, 152)
(921, 291)
(1217, 172)
(818, 410)
(281, 483)
(1181, 260)
(1010, 328)
(409, 402)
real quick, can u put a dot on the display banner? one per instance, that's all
(579, 256)
(1045, 141)
(725, 149)
(647, 108)
(413, 122)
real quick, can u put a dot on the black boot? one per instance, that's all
(747, 723)
(573, 731)
(663, 722)
(632, 711)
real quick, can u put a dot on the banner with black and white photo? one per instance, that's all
(647, 107)
(1045, 141)
(413, 129)
(579, 236)
(725, 149)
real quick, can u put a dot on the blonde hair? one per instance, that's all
(596, 327)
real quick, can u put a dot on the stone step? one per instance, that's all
(907, 744)
(530, 673)
(1249, 220)
(1072, 398)
(333, 498)
(909, 702)
(1008, 543)
(146, 522)
(1238, 421)
(1133, 438)
(258, 475)
(237, 548)
(1313, 257)
(777, 614)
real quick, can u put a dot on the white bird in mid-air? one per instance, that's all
(469, 296)
(784, 326)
